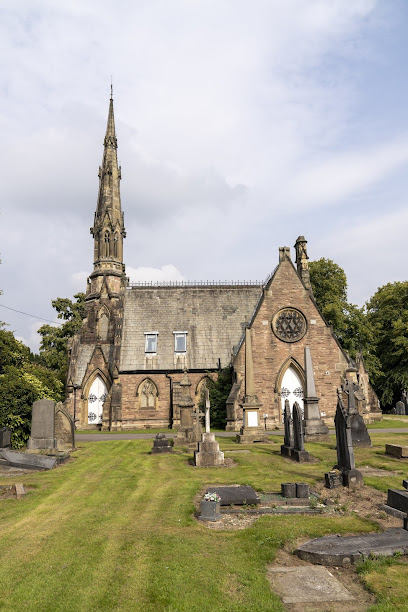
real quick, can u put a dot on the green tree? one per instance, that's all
(54, 342)
(387, 313)
(22, 382)
(219, 391)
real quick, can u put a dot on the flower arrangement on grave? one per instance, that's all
(214, 497)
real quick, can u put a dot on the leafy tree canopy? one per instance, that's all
(54, 343)
(387, 313)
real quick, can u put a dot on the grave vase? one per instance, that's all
(210, 511)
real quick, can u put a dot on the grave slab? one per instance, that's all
(239, 495)
(339, 550)
(307, 585)
(395, 450)
(27, 461)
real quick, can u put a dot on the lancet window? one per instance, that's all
(148, 394)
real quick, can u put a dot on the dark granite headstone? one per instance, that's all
(333, 479)
(210, 511)
(299, 452)
(288, 489)
(161, 444)
(5, 437)
(302, 490)
(287, 446)
(237, 496)
(398, 500)
(345, 450)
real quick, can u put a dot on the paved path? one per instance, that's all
(84, 437)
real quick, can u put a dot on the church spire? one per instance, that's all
(108, 229)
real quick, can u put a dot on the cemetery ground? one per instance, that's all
(115, 528)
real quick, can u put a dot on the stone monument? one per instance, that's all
(345, 451)
(299, 452)
(287, 446)
(404, 399)
(161, 444)
(315, 429)
(52, 427)
(400, 408)
(251, 430)
(186, 404)
(208, 454)
(5, 437)
(359, 433)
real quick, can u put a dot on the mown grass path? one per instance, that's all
(114, 530)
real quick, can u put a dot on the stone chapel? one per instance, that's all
(144, 348)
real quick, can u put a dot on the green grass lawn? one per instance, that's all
(114, 530)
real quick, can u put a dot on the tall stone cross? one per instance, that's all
(207, 411)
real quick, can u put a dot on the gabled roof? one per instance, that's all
(213, 316)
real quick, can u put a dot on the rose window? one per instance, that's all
(289, 325)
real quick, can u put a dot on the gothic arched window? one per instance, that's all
(115, 246)
(148, 394)
(107, 244)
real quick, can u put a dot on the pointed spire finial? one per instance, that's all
(111, 89)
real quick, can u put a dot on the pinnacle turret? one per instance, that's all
(108, 229)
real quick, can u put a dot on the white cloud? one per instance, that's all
(166, 273)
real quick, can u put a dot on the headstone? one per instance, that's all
(42, 425)
(52, 427)
(333, 479)
(210, 511)
(302, 490)
(27, 461)
(208, 454)
(404, 399)
(345, 450)
(161, 444)
(237, 496)
(359, 433)
(315, 430)
(400, 408)
(20, 491)
(5, 437)
(288, 489)
(398, 499)
(299, 452)
(64, 429)
(287, 446)
(396, 450)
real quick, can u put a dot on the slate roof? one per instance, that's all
(214, 317)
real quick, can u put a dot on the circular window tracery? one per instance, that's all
(289, 325)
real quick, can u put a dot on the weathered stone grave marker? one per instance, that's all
(299, 452)
(315, 430)
(52, 427)
(161, 444)
(345, 451)
(208, 454)
(359, 433)
(5, 437)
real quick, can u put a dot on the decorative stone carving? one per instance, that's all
(289, 325)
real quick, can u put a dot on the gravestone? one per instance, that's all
(5, 437)
(404, 399)
(208, 454)
(299, 452)
(52, 427)
(27, 461)
(64, 429)
(161, 444)
(400, 408)
(396, 450)
(42, 425)
(287, 446)
(315, 430)
(185, 404)
(238, 496)
(345, 451)
(359, 433)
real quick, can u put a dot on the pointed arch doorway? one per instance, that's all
(291, 389)
(96, 398)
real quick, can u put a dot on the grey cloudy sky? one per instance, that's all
(240, 126)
